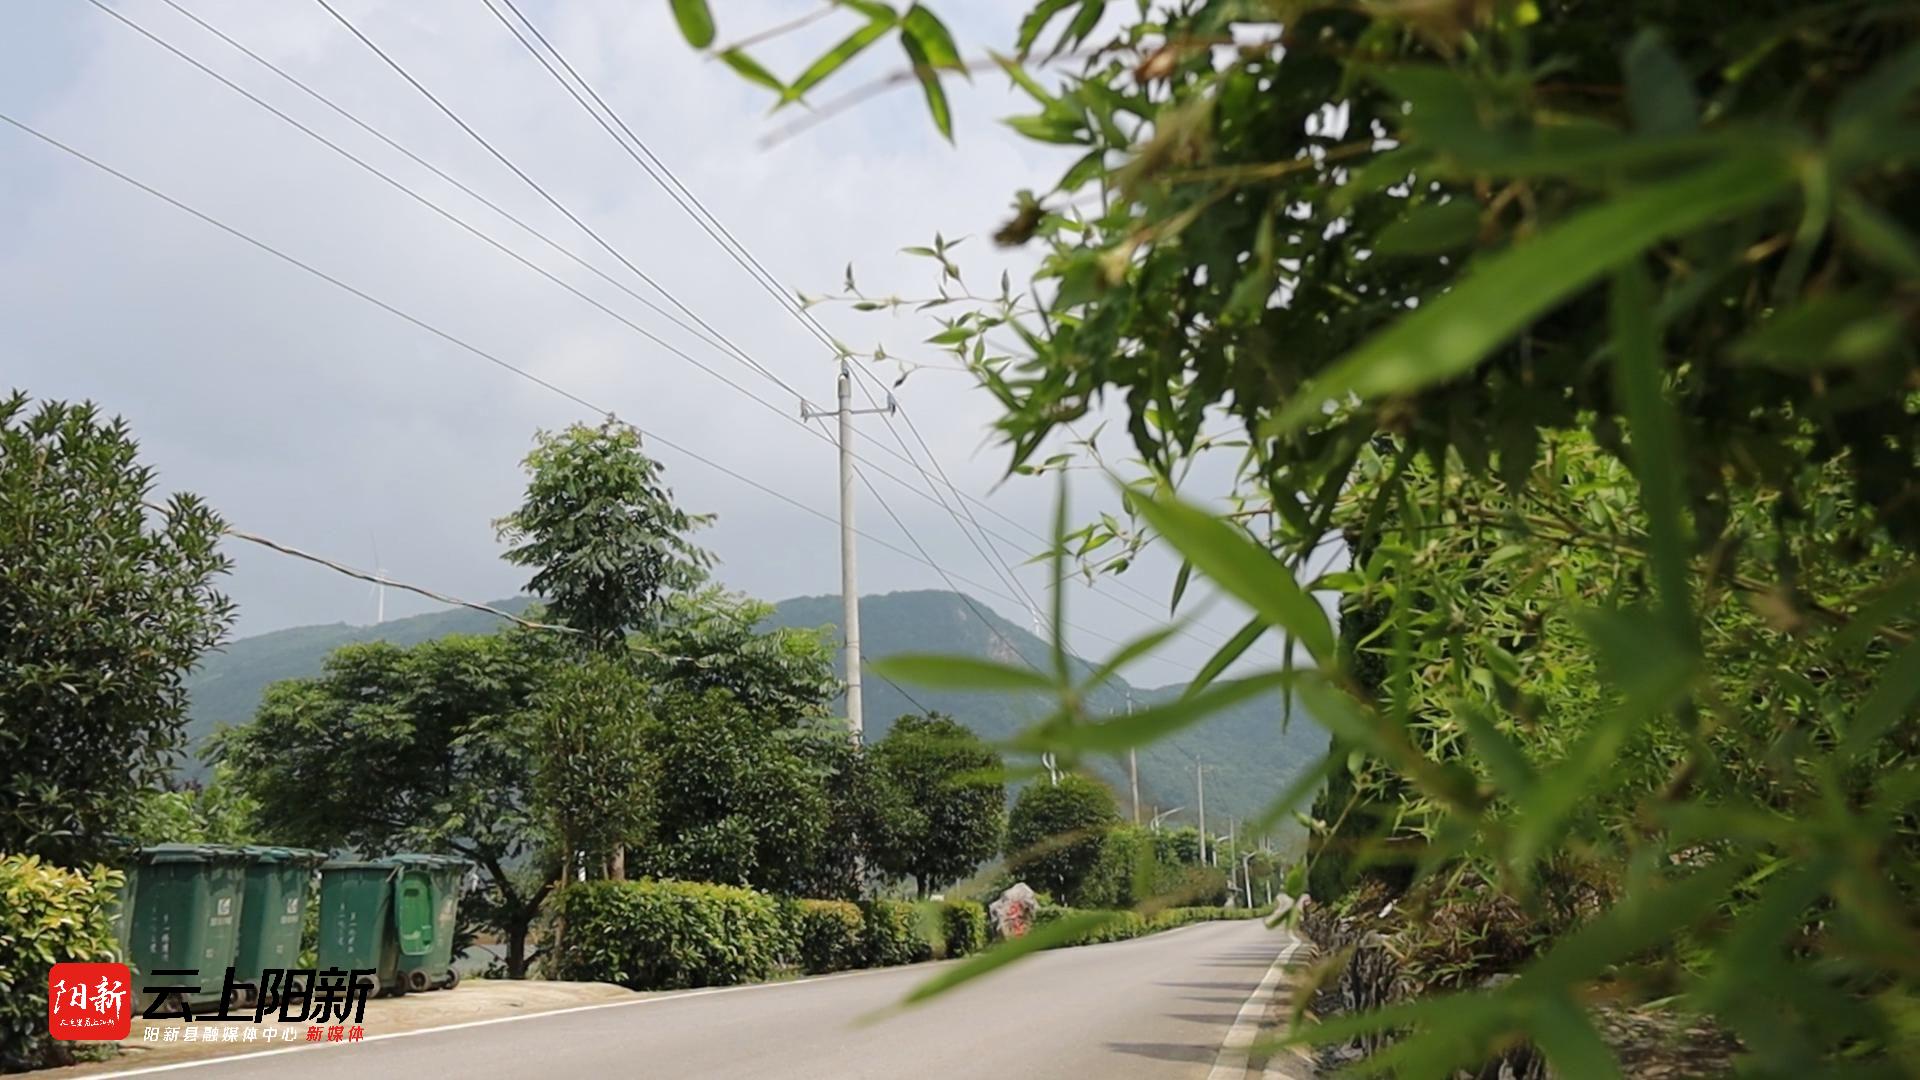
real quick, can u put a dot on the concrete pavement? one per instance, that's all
(1159, 1006)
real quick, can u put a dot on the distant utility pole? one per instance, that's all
(849, 573)
(1200, 782)
(1133, 767)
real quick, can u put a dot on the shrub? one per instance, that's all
(963, 927)
(893, 934)
(47, 915)
(830, 935)
(668, 935)
(1132, 924)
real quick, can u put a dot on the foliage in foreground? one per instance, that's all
(47, 915)
(1391, 258)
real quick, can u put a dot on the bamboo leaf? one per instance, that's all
(1155, 722)
(929, 78)
(1893, 699)
(1055, 933)
(751, 70)
(836, 58)
(1232, 561)
(961, 673)
(696, 21)
(1452, 333)
(1639, 379)
(1236, 646)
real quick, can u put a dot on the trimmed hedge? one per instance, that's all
(1131, 924)
(670, 935)
(963, 927)
(47, 915)
(830, 935)
(893, 934)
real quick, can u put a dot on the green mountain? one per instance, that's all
(1248, 757)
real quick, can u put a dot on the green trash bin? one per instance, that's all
(274, 911)
(427, 909)
(357, 928)
(186, 916)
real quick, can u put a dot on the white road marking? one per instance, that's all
(1234, 1058)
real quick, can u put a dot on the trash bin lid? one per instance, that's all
(273, 853)
(185, 853)
(418, 861)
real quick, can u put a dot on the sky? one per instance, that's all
(311, 416)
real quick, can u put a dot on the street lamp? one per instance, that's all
(1162, 816)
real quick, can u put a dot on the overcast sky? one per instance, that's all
(313, 417)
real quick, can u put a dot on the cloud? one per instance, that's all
(308, 415)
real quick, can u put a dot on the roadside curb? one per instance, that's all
(1290, 1062)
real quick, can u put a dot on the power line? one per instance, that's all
(483, 354)
(467, 226)
(548, 196)
(669, 182)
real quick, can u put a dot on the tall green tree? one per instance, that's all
(107, 600)
(1055, 832)
(424, 748)
(949, 805)
(607, 544)
(738, 800)
(610, 552)
(594, 779)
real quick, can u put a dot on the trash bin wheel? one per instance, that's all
(417, 981)
(453, 979)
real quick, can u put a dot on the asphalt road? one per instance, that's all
(1159, 1006)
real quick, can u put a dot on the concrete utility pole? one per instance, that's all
(849, 573)
(1133, 767)
(1200, 782)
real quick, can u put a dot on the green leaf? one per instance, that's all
(1047, 936)
(1898, 599)
(1036, 21)
(1644, 919)
(1057, 595)
(1131, 651)
(1155, 722)
(1232, 561)
(835, 58)
(696, 22)
(1639, 378)
(961, 673)
(1049, 129)
(1830, 330)
(1432, 229)
(1651, 670)
(1566, 1036)
(1892, 700)
(1659, 92)
(929, 76)
(1504, 758)
(1236, 646)
(936, 43)
(1878, 236)
(750, 69)
(1452, 333)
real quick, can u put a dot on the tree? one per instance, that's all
(594, 776)
(608, 544)
(217, 812)
(712, 640)
(611, 552)
(428, 747)
(737, 802)
(1055, 831)
(950, 803)
(106, 601)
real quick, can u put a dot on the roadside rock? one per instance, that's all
(1012, 913)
